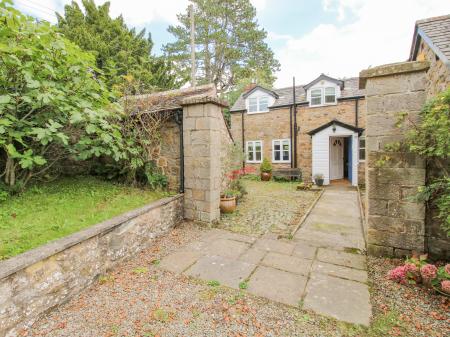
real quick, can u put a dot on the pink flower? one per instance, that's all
(412, 271)
(445, 286)
(447, 268)
(428, 271)
(398, 274)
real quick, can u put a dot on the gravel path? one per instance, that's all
(405, 310)
(270, 206)
(138, 298)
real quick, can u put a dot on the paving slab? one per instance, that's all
(288, 263)
(275, 246)
(344, 300)
(340, 271)
(179, 261)
(277, 285)
(227, 271)
(304, 251)
(342, 258)
(227, 248)
(253, 255)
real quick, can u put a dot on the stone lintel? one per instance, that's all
(391, 69)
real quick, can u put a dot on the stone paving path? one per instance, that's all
(318, 269)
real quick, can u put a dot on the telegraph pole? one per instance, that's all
(193, 70)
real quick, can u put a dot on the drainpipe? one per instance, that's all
(179, 121)
(356, 111)
(294, 106)
(290, 133)
(243, 138)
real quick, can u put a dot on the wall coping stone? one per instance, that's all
(391, 69)
(28, 258)
(204, 100)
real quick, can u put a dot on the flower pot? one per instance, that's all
(227, 204)
(319, 182)
(266, 176)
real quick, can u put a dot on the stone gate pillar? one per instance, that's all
(202, 122)
(396, 224)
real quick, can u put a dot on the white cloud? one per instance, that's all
(380, 32)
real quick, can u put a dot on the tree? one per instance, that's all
(229, 44)
(119, 51)
(52, 105)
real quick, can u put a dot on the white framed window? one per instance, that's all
(281, 150)
(254, 151)
(258, 104)
(330, 95)
(253, 104)
(316, 97)
(362, 148)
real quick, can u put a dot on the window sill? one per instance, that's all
(281, 161)
(256, 112)
(321, 105)
(253, 162)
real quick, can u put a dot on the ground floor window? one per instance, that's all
(281, 150)
(362, 148)
(254, 151)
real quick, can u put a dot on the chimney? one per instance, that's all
(249, 87)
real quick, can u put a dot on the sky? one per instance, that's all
(309, 37)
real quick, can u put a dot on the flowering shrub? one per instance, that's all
(398, 274)
(428, 271)
(417, 270)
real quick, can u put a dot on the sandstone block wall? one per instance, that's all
(203, 134)
(40, 279)
(396, 225)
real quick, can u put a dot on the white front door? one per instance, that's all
(336, 158)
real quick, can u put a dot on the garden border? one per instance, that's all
(302, 220)
(42, 278)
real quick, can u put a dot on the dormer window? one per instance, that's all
(258, 104)
(323, 96)
(330, 95)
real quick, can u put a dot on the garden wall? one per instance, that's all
(40, 279)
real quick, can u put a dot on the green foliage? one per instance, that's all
(266, 166)
(47, 212)
(430, 138)
(238, 187)
(119, 51)
(213, 283)
(52, 106)
(243, 285)
(230, 45)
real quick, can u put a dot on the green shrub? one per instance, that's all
(266, 166)
(239, 187)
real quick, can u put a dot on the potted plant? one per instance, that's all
(266, 170)
(318, 179)
(228, 201)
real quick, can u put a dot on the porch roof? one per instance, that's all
(336, 122)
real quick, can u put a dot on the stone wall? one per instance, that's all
(275, 125)
(40, 279)
(167, 154)
(438, 75)
(396, 225)
(203, 132)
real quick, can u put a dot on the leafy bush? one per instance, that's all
(52, 106)
(237, 186)
(430, 139)
(266, 166)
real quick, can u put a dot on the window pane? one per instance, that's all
(258, 146)
(316, 97)
(285, 155)
(362, 154)
(252, 104)
(258, 155)
(330, 95)
(263, 103)
(329, 91)
(286, 145)
(276, 146)
(277, 155)
(362, 142)
(316, 93)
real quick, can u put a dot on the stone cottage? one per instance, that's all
(322, 133)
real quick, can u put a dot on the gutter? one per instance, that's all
(179, 121)
(356, 111)
(243, 137)
(294, 107)
(290, 131)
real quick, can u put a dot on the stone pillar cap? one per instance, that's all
(391, 69)
(204, 100)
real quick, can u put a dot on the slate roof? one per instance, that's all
(436, 33)
(351, 89)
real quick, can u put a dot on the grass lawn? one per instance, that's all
(47, 212)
